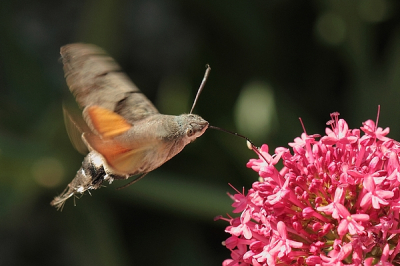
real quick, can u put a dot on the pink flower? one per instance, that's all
(332, 208)
(333, 201)
(374, 195)
(350, 222)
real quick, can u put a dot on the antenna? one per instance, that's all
(253, 147)
(203, 83)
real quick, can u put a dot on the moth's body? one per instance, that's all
(123, 131)
(158, 138)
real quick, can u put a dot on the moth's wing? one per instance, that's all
(123, 160)
(75, 126)
(107, 125)
(96, 79)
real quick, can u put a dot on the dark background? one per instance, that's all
(272, 62)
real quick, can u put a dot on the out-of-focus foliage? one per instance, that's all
(308, 58)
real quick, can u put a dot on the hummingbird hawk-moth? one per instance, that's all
(122, 130)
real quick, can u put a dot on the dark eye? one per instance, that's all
(190, 132)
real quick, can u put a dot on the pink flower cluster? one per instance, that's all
(334, 201)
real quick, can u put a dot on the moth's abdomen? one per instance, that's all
(90, 176)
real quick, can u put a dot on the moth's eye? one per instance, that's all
(190, 132)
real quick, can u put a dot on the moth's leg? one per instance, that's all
(133, 181)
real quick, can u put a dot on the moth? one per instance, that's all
(122, 130)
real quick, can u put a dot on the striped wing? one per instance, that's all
(96, 79)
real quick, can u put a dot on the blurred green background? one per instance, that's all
(272, 62)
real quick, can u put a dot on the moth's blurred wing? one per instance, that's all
(125, 161)
(104, 122)
(107, 125)
(75, 126)
(96, 79)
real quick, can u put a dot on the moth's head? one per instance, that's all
(193, 126)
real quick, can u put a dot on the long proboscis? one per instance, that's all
(203, 83)
(253, 147)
